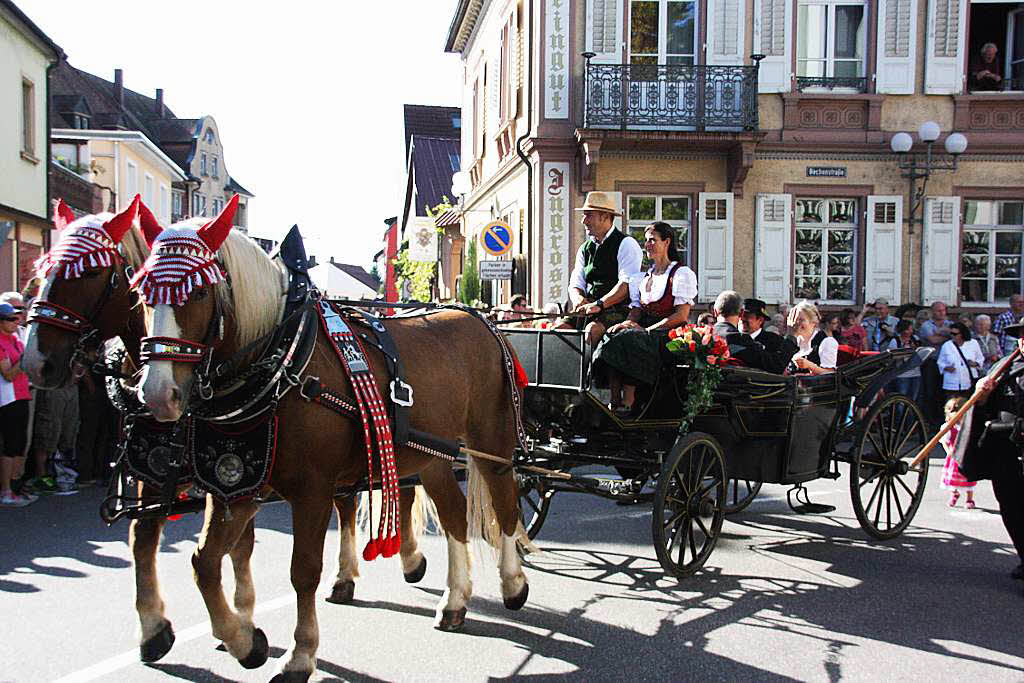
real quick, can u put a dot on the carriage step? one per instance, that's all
(803, 505)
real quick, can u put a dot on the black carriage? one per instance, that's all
(762, 428)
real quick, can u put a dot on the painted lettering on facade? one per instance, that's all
(556, 59)
(557, 223)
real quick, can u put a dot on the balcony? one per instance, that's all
(671, 97)
(835, 84)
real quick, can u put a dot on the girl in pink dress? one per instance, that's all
(952, 480)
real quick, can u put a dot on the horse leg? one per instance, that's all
(245, 592)
(414, 564)
(310, 516)
(219, 536)
(439, 482)
(505, 507)
(157, 634)
(348, 562)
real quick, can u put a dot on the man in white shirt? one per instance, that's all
(880, 327)
(605, 263)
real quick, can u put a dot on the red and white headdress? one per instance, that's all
(88, 242)
(182, 258)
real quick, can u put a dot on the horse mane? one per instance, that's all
(134, 249)
(256, 288)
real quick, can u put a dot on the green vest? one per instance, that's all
(601, 264)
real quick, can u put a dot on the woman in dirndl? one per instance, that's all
(632, 352)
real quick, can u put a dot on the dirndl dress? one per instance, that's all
(952, 480)
(639, 355)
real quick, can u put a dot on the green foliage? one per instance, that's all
(376, 273)
(699, 348)
(469, 285)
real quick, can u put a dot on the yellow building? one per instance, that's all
(121, 162)
(775, 169)
(26, 57)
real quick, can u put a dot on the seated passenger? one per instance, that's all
(778, 350)
(817, 352)
(728, 306)
(660, 299)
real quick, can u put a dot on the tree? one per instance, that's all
(469, 285)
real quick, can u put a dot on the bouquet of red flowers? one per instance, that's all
(705, 353)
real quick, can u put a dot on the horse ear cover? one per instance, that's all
(120, 224)
(150, 227)
(62, 215)
(216, 231)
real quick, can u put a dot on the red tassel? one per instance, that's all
(392, 545)
(372, 550)
(521, 379)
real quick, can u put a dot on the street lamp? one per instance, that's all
(918, 166)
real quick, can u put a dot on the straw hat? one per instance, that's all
(600, 201)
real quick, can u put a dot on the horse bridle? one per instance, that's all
(45, 312)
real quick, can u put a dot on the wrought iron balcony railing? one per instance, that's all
(671, 96)
(849, 83)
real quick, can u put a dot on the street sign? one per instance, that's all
(495, 270)
(496, 238)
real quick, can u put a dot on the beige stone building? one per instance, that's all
(26, 57)
(775, 169)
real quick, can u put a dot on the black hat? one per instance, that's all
(1015, 330)
(755, 306)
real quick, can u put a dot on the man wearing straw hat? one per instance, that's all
(605, 262)
(995, 446)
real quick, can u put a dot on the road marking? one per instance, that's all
(126, 659)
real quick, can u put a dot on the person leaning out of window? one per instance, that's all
(986, 73)
(960, 361)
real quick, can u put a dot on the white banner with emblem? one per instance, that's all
(554, 248)
(423, 243)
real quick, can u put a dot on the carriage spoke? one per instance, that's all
(878, 509)
(675, 518)
(905, 487)
(888, 502)
(693, 541)
(878, 451)
(867, 508)
(871, 478)
(682, 543)
(529, 501)
(703, 528)
(898, 450)
(679, 482)
(896, 497)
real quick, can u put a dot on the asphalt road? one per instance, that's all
(783, 597)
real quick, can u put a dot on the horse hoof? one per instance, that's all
(291, 677)
(452, 619)
(517, 601)
(416, 575)
(342, 593)
(158, 645)
(257, 656)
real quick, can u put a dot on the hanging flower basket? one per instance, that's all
(704, 353)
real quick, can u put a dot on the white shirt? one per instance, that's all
(960, 380)
(753, 335)
(684, 286)
(630, 258)
(828, 351)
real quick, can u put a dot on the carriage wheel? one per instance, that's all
(885, 491)
(534, 502)
(688, 504)
(739, 493)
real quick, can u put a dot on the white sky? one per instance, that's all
(307, 94)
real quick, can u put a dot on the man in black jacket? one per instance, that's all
(741, 346)
(778, 350)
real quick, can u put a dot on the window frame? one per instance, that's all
(202, 164)
(868, 46)
(990, 229)
(131, 178)
(699, 42)
(28, 119)
(631, 225)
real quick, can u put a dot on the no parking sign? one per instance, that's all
(496, 238)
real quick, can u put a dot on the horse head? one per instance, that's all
(207, 292)
(84, 297)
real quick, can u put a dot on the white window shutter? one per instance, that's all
(897, 47)
(944, 51)
(714, 244)
(772, 258)
(884, 248)
(492, 115)
(941, 249)
(726, 37)
(514, 70)
(772, 19)
(604, 31)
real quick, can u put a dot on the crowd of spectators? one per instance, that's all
(51, 441)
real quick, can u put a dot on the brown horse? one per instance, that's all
(454, 363)
(96, 303)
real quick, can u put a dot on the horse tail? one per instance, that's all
(481, 521)
(424, 514)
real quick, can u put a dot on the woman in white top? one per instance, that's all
(660, 300)
(817, 352)
(960, 361)
(988, 342)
